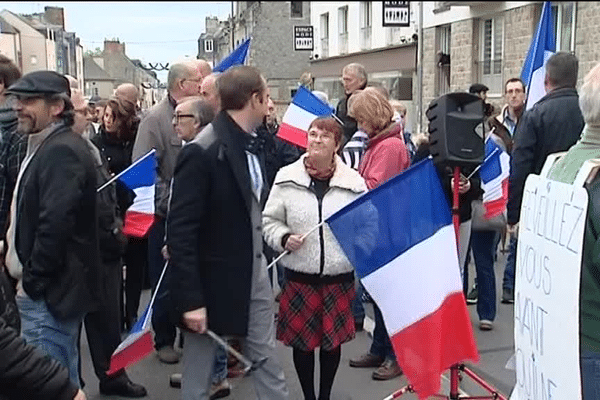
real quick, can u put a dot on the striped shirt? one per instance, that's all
(355, 148)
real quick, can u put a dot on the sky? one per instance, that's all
(153, 32)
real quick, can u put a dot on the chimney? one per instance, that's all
(55, 16)
(114, 47)
(211, 24)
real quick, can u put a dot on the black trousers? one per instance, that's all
(136, 261)
(103, 327)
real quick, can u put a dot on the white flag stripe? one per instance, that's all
(144, 200)
(432, 268)
(298, 117)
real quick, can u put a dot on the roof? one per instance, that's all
(93, 72)
(5, 27)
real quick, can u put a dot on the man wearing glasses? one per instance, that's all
(156, 131)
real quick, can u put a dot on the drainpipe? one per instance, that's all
(420, 70)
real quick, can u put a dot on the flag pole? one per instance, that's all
(150, 305)
(114, 178)
(314, 228)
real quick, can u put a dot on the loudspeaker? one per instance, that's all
(456, 130)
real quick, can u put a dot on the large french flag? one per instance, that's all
(494, 173)
(303, 110)
(411, 271)
(543, 46)
(237, 57)
(141, 178)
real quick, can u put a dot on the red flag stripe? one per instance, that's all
(292, 135)
(432, 345)
(131, 354)
(137, 224)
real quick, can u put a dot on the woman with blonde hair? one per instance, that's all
(385, 157)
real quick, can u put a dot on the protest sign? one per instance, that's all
(548, 271)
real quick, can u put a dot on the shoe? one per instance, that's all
(473, 295)
(121, 386)
(486, 325)
(366, 361)
(220, 390)
(508, 296)
(359, 326)
(168, 355)
(386, 371)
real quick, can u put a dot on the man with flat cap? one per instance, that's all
(52, 243)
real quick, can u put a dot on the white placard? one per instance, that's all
(548, 271)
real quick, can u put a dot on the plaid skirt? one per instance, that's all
(313, 316)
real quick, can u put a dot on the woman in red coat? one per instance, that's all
(386, 156)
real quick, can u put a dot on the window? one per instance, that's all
(208, 45)
(563, 15)
(324, 24)
(295, 9)
(365, 25)
(442, 60)
(343, 29)
(490, 64)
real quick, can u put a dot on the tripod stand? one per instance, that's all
(456, 370)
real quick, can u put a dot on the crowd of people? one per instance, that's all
(230, 197)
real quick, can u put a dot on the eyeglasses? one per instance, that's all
(177, 117)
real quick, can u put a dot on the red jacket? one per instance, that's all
(386, 156)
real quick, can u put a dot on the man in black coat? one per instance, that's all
(552, 125)
(52, 242)
(214, 233)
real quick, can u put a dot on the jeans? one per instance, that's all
(220, 367)
(483, 244)
(358, 310)
(381, 346)
(56, 338)
(162, 323)
(590, 375)
(511, 261)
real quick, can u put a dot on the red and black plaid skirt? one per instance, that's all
(316, 315)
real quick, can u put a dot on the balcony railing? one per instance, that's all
(365, 38)
(343, 45)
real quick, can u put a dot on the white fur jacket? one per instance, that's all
(293, 208)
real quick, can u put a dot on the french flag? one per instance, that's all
(401, 241)
(304, 109)
(543, 46)
(141, 178)
(137, 345)
(494, 173)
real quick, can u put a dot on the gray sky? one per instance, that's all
(153, 32)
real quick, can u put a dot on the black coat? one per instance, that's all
(552, 125)
(56, 232)
(25, 372)
(209, 228)
(350, 125)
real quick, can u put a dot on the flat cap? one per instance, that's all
(40, 83)
(477, 88)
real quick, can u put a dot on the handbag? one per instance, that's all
(480, 223)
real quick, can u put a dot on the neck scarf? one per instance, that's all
(318, 171)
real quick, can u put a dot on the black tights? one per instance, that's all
(304, 361)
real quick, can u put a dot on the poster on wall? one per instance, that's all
(396, 13)
(303, 38)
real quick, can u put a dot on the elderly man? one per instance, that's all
(219, 275)
(156, 132)
(210, 92)
(55, 255)
(191, 116)
(565, 170)
(354, 77)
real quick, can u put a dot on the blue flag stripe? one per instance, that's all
(391, 219)
(543, 40)
(311, 103)
(141, 174)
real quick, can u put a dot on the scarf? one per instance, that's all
(316, 173)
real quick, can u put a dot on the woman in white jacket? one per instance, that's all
(315, 309)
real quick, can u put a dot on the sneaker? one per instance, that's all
(486, 325)
(168, 355)
(388, 370)
(508, 296)
(367, 360)
(473, 295)
(220, 390)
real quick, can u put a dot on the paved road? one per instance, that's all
(495, 348)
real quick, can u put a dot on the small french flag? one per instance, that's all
(141, 178)
(303, 110)
(494, 174)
